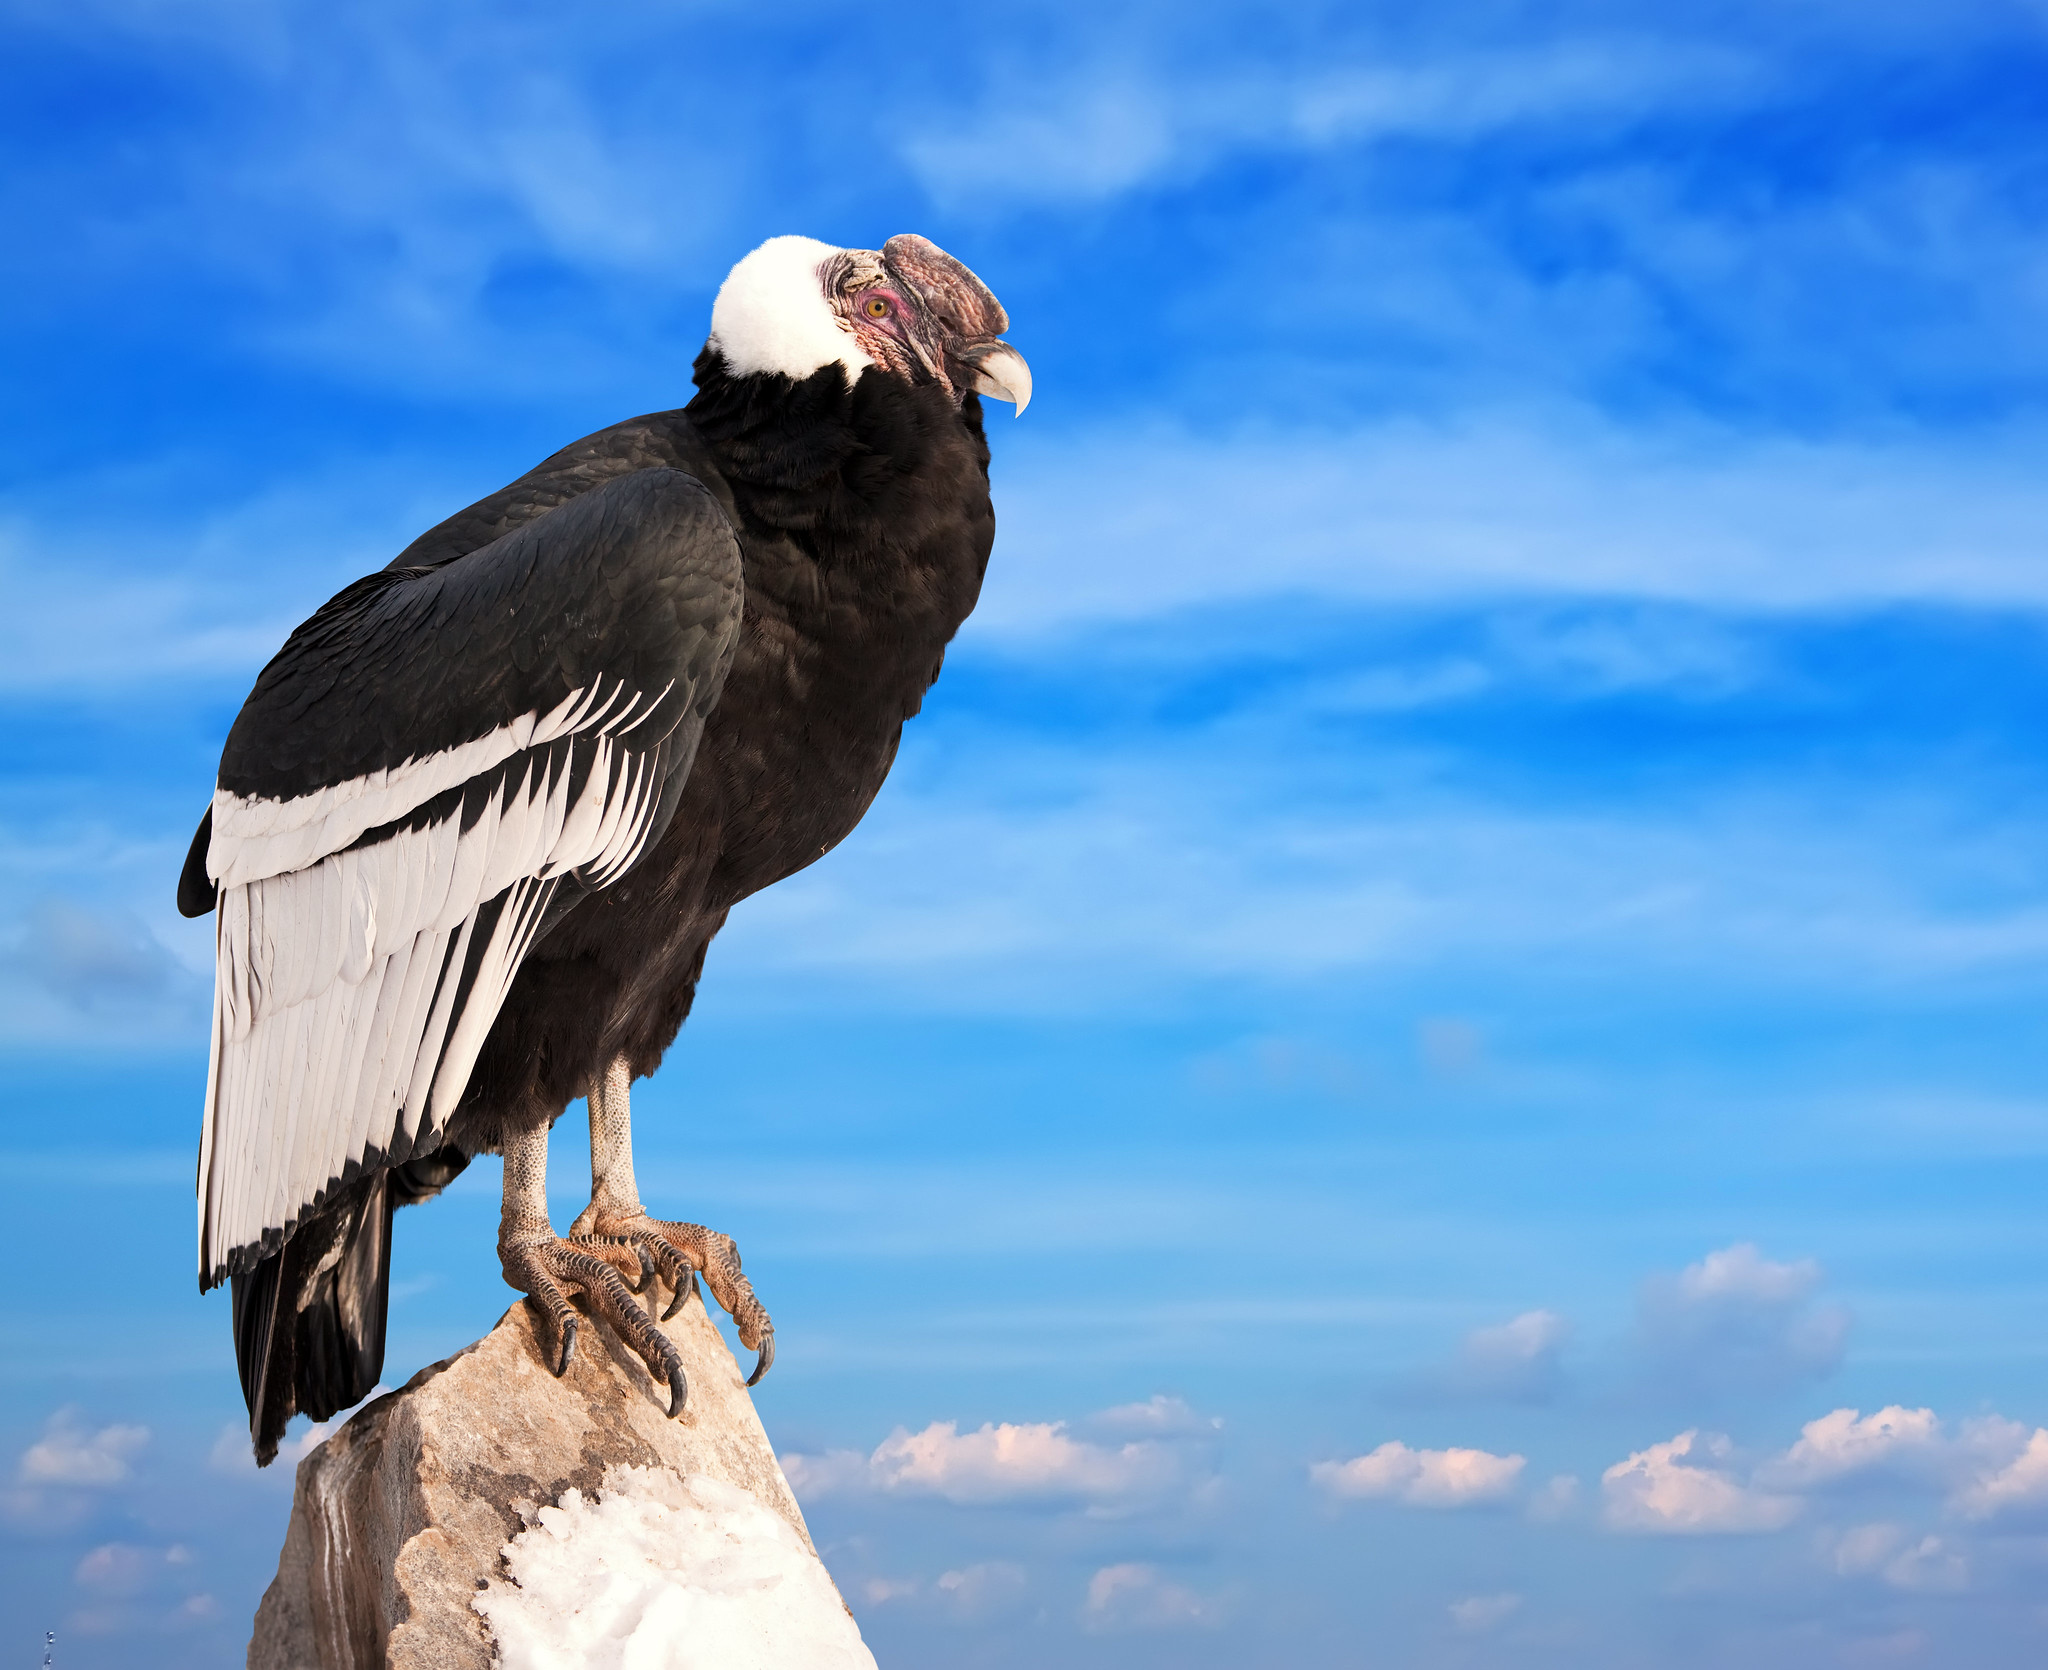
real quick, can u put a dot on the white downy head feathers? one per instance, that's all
(772, 315)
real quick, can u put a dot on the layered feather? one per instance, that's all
(367, 936)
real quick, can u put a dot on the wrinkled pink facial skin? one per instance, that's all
(937, 312)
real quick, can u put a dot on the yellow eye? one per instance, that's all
(877, 308)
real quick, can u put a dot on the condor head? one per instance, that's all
(796, 305)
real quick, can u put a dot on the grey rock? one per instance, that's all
(399, 1518)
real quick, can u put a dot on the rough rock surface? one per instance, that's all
(401, 1517)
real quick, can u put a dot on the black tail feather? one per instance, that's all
(309, 1320)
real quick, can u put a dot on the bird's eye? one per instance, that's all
(877, 308)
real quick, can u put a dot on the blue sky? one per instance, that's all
(1442, 1014)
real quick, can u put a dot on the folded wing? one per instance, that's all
(430, 771)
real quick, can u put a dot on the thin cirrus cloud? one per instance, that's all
(1136, 523)
(947, 892)
(1107, 129)
(1482, 1614)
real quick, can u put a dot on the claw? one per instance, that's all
(647, 1271)
(765, 1360)
(684, 1289)
(568, 1346)
(678, 1391)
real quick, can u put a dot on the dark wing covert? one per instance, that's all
(431, 768)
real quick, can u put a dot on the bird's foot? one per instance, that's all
(679, 1251)
(547, 1268)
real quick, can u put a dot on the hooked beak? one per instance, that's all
(997, 369)
(963, 322)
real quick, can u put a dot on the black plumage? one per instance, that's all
(767, 580)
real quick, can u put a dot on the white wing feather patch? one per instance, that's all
(355, 985)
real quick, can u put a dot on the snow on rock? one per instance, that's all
(402, 1517)
(663, 1572)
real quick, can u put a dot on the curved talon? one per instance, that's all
(566, 1326)
(684, 1288)
(647, 1269)
(693, 1260)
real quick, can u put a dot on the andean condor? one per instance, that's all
(481, 816)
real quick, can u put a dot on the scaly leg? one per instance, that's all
(616, 1219)
(536, 1261)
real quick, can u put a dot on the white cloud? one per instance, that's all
(1742, 1275)
(69, 1456)
(116, 1568)
(1159, 1416)
(1480, 1614)
(1452, 1478)
(1012, 1462)
(2020, 1487)
(1676, 1488)
(1842, 1442)
(1516, 1360)
(1136, 1596)
(1021, 1461)
(1737, 1321)
(1990, 1467)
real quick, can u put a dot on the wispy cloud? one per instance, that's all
(69, 1455)
(1737, 1321)
(1921, 1565)
(1153, 867)
(72, 971)
(1482, 1614)
(1138, 1596)
(59, 1477)
(1108, 127)
(1517, 1361)
(1125, 526)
